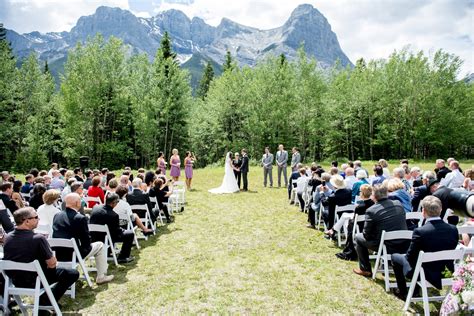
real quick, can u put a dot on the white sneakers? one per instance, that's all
(104, 279)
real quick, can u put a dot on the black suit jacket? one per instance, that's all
(340, 197)
(441, 173)
(71, 224)
(237, 164)
(9, 203)
(435, 235)
(385, 215)
(418, 195)
(244, 168)
(138, 197)
(105, 215)
(443, 194)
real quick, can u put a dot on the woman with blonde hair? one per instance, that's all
(396, 191)
(175, 163)
(47, 211)
(188, 168)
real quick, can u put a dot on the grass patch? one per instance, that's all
(241, 253)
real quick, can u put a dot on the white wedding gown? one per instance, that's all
(229, 183)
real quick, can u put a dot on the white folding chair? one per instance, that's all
(383, 257)
(349, 208)
(76, 260)
(320, 216)
(448, 213)
(293, 198)
(415, 216)
(147, 219)
(41, 286)
(420, 280)
(130, 226)
(25, 196)
(44, 229)
(157, 207)
(93, 199)
(179, 188)
(358, 219)
(108, 243)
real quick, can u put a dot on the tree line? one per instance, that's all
(122, 109)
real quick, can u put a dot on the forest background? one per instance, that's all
(120, 109)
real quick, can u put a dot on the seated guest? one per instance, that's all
(362, 179)
(95, 191)
(5, 175)
(4, 216)
(137, 197)
(349, 252)
(340, 197)
(56, 181)
(320, 195)
(67, 188)
(420, 192)
(105, 215)
(415, 177)
(36, 199)
(434, 235)
(468, 183)
(125, 181)
(301, 186)
(441, 170)
(47, 211)
(161, 192)
(29, 182)
(343, 170)
(88, 182)
(78, 175)
(16, 196)
(149, 179)
(396, 191)
(384, 164)
(350, 178)
(378, 175)
(6, 191)
(124, 210)
(399, 173)
(23, 245)
(455, 178)
(385, 215)
(443, 193)
(293, 177)
(72, 224)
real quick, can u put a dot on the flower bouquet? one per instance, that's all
(461, 298)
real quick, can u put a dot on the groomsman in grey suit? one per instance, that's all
(267, 163)
(295, 159)
(282, 162)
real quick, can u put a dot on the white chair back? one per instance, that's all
(107, 239)
(147, 221)
(415, 216)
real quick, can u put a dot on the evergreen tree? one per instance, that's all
(229, 64)
(3, 33)
(205, 82)
(46, 67)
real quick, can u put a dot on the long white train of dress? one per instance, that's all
(229, 183)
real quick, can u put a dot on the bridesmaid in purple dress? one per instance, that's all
(161, 163)
(188, 168)
(175, 163)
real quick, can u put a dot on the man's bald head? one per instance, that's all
(73, 200)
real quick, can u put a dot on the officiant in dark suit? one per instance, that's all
(244, 168)
(237, 163)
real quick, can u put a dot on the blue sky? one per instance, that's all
(365, 28)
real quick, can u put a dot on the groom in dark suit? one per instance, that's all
(237, 163)
(244, 168)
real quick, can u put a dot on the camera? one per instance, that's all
(324, 183)
(461, 202)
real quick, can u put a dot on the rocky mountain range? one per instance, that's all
(194, 41)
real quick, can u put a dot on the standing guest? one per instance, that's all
(95, 191)
(29, 183)
(349, 252)
(161, 163)
(441, 170)
(383, 215)
(88, 182)
(23, 245)
(468, 183)
(361, 179)
(237, 163)
(301, 184)
(282, 163)
(54, 166)
(56, 182)
(244, 169)
(72, 224)
(47, 211)
(350, 178)
(378, 175)
(188, 168)
(455, 178)
(36, 199)
(6, 191)
(435, 235)
(105, 215)
(267, 163)
(386, 171)
(16, 196)
(175, 163)
(295, 159)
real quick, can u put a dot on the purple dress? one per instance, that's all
(188, 168)
(175, 170)
(162, 167)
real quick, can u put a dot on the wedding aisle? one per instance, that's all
(238, 253)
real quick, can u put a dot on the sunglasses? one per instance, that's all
(34, 217)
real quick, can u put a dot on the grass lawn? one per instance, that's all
(241, 253)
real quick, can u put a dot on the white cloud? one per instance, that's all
(365, 28)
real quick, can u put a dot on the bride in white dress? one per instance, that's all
(229, 183)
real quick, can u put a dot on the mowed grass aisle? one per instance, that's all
(239, 253)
